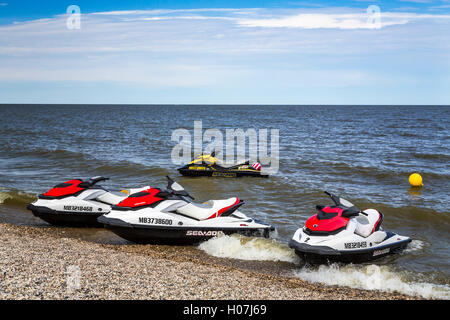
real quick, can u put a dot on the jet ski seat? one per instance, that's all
(368, 222)
(232, 165)
(112, 197)
(209, 209)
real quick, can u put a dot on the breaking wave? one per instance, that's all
(368, 277)
(415, 245)
(247, 248)
(15, 197)
(373, 277)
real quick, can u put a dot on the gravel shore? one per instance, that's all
(41, 263)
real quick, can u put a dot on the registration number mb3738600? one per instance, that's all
(155, 221)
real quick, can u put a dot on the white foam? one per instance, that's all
(4, 196)
(247, 248)
(373, 277)
(368, 277)
(415, 245)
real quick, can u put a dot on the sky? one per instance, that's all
(225, 52)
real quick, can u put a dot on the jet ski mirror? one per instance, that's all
(175, 188)
(340, 201)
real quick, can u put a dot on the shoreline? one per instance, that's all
(42, 263)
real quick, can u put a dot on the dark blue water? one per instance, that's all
(363, 153)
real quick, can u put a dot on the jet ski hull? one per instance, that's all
(66, 219)
(174, 235)
(323, 254)
(207, 165)
(217, 173)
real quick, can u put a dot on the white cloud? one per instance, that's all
(417, 1)
(216, 47)
(172, 11)
(310, 21)
(337, 21)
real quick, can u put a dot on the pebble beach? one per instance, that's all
(42, 263)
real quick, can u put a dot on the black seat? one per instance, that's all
(350, 212)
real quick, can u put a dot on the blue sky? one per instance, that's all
(226, 52)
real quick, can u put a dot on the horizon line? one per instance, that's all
(215, 104)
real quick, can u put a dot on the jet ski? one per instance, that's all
(344, 233)
(209, 165)
(169, 216)
(77, 203)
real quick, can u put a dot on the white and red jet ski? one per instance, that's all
(344, 233)
(168, 216)
(77, 203)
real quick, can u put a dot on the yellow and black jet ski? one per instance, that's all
(209, 165)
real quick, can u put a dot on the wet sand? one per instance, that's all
(43, 263)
